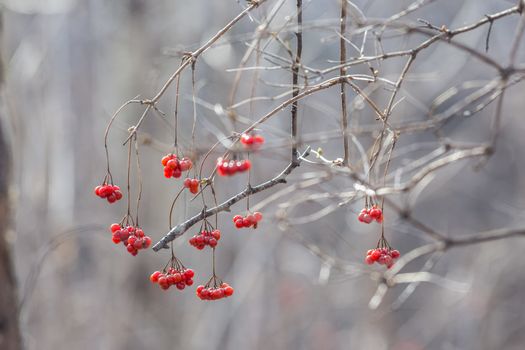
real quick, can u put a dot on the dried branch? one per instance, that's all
(225, 206)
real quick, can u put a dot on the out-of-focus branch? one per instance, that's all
(295, 76)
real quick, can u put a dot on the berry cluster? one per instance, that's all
(229, 168)
(132, 237)
(252, 142)
(383, 256)
(173, 167)
(110, 192)
(214, 293)
(192, 185)
(180, 277)
(204, 238)
(368, 215)
(250, 220)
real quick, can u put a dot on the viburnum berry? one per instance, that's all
(111, 193)
(205, 238)
(192, 185)
(132, 237)
(177, 276)
(368, 215)
(383, 256)
(231, 167)
(173, 166)
(250, 220)
(223, 290)
(252, 141)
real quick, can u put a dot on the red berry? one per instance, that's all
(228, 291)
(155, 276)
(138, 244)
(216, 234)
(112, 198)
(173, 164)
(239, 223)
(114, 227)
(376, 254)
(258, 216)
(187, 182)
(258, 139)
(251, 218)
(131, 240)
(246, 139)
(395, 254)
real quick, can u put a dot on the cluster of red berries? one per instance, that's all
(214, 293)
(383, 256)
(110, 192)
(204, 238)
(173, 167)
(247, 221)
(192, 185)
(132, 237)
(180, 277)
(368, 215)
(231, 167)
(252, 142)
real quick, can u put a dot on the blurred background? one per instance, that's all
(70, 64)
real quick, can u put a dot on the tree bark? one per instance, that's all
(9, 331)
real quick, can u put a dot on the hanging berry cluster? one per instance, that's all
(367, 215)
(132, 237)
(176, 275)
(192, 185)
(250, 220)
(252, 142)
(206, 237)
(231, 167)
(383, 254)
(173, 167)
(206, 292)
(110, 192)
